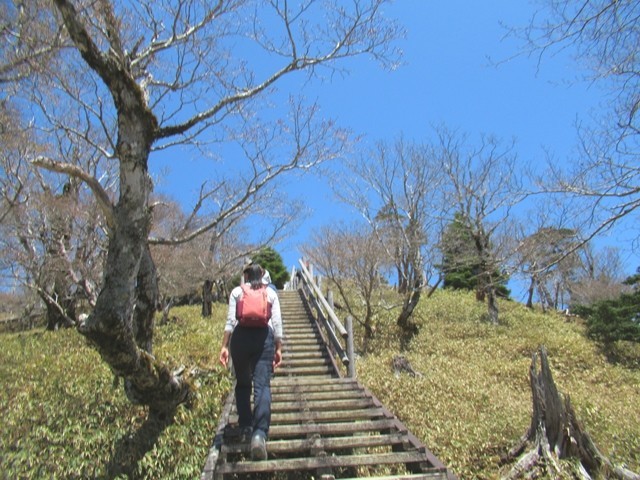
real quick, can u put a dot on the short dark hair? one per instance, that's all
(253, 273)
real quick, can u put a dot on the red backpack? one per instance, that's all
(253, 308)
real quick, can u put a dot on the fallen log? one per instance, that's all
(556, 434)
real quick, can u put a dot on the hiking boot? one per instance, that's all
(245, 435)
(258, 447)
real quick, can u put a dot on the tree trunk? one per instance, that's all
(408, 327)
(556, 433)
(434, 287)
(402, 281)
(147, 298)
(207, 298)
(492, 304)
(530, 291)
(55, 318)
(121, 325)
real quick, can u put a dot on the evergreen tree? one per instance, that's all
(609, 321)
(461, 265)
(271, 260)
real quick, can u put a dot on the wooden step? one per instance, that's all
(316, 396)
(322, 405)
(313, 463)
(330, 443)
(327, 429)
(321, 423)
(312, 384)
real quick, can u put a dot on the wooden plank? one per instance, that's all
(314, 382)
(312, 463)
(324, 417)
(299, 347)
(288, 367)
(299, 353)
(316, 396)
(297, 333)
(307, 352)
(302, 334)
(300, 338)
(437, 475)
(326, 429)
(330, 443)
(314, 390)
(331, 405)
(320, 417)
(326, 387)
(312, 368)
(307, 362)
(325, 374)
(300, 344)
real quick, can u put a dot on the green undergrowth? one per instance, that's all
(63, 417)
(471, 401)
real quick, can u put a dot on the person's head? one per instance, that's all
(266, 278)
(253, 275)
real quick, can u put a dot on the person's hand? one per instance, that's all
(277, 358)
(224, 356)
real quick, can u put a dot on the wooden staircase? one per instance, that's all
(323, 426)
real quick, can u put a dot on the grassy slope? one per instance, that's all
(62, 418)
(473, 401)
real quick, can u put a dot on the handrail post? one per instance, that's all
(351, 368)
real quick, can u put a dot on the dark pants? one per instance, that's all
(252, 351)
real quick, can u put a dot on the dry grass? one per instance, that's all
(62, 418)
(473, 402)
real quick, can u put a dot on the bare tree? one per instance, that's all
(52, 242)
(15, 140)
(397, 190)
(150, 75)
(216, 256)
(354, 260)
(599, 276)
(604, 36)
(548, 258)
(483, 186)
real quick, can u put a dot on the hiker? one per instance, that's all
(255, 342)
(266, 279)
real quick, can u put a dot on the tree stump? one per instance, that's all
(400, 364)
(555, 433)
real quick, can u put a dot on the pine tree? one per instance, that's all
(610, 321)
(272, 261)
(461, 265)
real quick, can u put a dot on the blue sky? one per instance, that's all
(450, 76)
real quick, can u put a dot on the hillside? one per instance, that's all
(473, 400)
(63, 417)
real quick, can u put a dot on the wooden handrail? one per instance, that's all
(328, 317)
(323, 301)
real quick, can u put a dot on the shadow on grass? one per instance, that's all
(132, 447)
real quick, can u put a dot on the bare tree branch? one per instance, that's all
(77, 172)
